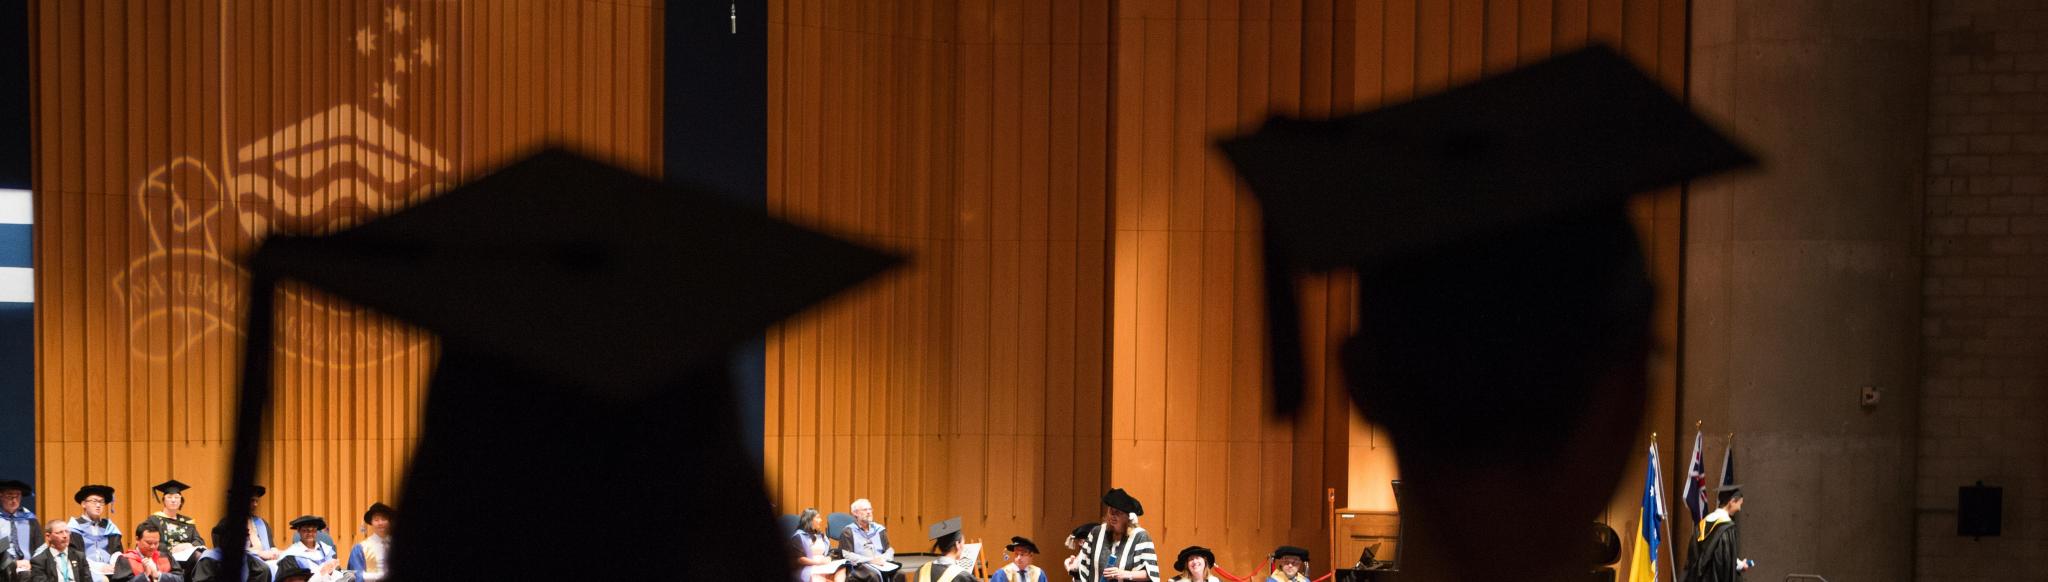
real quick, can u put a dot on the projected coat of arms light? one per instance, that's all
(328, 170)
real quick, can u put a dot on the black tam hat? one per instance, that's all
(1285, 551)
(1180, 564)
(1121, 501)
(105, 492)
(379, 508)
(1021, 542)
(315, 521)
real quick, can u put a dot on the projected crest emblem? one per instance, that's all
(350, 161)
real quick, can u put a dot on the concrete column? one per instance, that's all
(1802, 281)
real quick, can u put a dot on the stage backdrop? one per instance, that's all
(1083, 309)
(172, 134)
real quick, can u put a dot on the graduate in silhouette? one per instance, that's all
(1504, 305)
(585, 315)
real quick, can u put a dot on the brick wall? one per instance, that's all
(1985, 359)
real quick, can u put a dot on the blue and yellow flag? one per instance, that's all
(1650, 523)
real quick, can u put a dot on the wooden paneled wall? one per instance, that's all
(1004, 143)
(971, 134)
(169, 135)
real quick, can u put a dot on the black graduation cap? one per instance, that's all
(1020, 542)
(1122, 501)
(17, 486)
(105, 492)
(169, 487)
(289, 570)
(1285, 551)
(315, 521)
(1550, 144)
(1728, 492)
(1081, 532)
(566, 294)
(379, 508)
(1180, 564)
(950, 525)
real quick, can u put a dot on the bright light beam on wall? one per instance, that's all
(17, 278)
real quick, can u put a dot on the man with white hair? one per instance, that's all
(869, 557)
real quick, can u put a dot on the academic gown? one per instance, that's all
(101, 541)
(210, 569)
(1279, 577)
(24, 533)
(1010, 573)
(1134, 552)
(940, 570)
(367, 559)
(876, 539)
(1714, 552)
(177, 530)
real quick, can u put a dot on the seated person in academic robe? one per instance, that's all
(210, 568)
(93, 533)
(367, 559)
(1290, 564)
(1074, 541)
(315, 555)
(147, 562)
(950, 566)
(814, 550)
(20, 531)
(1120, 549)
(58, 560)
(865, 544)
(260, 542)
(1022, 553)
(180, 531)
(1717, 552)
(1193, 564)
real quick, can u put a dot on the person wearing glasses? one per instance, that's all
(869, 557)
(92, 532)
(1290, 564)
(19, 529)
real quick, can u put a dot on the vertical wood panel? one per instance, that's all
(207, 111)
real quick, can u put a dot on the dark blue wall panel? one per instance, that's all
(715, 134)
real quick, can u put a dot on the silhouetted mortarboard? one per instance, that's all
(567, 294)
(1555, 144)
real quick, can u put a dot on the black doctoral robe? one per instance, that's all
(936, 572)
(1713, 557)
(210, 569)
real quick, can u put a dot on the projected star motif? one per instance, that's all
(398, 49)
